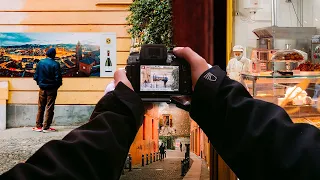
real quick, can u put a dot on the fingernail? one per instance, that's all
(120, 69)
(177, 48)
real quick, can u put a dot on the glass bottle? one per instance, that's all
(108, 63)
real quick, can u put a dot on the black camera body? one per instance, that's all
(157, 75)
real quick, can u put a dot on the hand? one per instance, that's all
(197, 63)
(119, 75)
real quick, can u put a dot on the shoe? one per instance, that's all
(49, 130)
(37, 129)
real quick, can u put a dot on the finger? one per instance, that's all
(197, 63)
(188, 54)
(177, 48)
(120, 75)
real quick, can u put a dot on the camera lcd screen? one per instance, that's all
(159, 78)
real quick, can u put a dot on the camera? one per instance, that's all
(157, 75)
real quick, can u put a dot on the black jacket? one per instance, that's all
(48, 72)
(94, 151)
(257, 139)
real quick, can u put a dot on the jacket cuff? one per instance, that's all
(205, 91)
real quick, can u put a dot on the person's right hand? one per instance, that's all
(197, 63)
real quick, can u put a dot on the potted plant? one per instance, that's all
(150, 22)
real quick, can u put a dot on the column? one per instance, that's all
(3, 104)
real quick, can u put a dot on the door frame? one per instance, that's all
(201, 26)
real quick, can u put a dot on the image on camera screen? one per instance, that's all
(159, 78)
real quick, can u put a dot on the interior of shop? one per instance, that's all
(277, 43)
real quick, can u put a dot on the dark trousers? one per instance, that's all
(46, 102)
(162, 155)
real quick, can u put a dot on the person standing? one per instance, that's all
(238, 64)
(180, 146)
(165, 80)
(162, 151)
(49, 79)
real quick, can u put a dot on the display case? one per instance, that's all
(298, 94)
(290, 58)
(315, 49)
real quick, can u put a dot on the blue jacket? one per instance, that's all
(48, 72)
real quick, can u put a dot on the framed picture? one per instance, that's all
(79, 54)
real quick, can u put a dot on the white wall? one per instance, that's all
(243, 28)
(285, 18)
(316, 14)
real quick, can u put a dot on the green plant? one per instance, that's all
(166, 140)
(151, 22)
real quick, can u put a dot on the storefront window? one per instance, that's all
(276, 54)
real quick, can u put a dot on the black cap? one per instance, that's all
(51, 53)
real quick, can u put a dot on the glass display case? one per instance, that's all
(298, 94)
(315, 49)
(289, 58)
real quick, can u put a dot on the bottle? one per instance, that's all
(108, 63)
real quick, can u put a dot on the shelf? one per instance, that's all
(300, 106)
(315, 121)
(296, 76)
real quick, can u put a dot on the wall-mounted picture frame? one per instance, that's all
(79, 54)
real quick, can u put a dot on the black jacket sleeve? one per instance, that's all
(58, 75)
(94, 151)
(36, 74)
(256, 139)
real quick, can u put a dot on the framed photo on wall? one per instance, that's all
(79, 54)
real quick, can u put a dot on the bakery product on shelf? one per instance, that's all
(308, 66)
(296, 96)
(307, 100)
(291, 55)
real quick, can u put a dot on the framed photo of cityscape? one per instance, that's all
(79, 54)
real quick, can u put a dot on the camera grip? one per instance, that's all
(182, 102)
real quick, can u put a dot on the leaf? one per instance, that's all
(150, 20)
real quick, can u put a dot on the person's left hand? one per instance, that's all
(119, 75)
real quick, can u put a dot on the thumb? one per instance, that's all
(120, 75)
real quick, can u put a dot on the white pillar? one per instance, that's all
(3, 115)
(4, 94)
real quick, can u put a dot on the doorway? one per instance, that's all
(205, 31)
